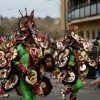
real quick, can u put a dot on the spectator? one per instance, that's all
(98, 68)
(98, 40)
(91, 73)
(94, 52)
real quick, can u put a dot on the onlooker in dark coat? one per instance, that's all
(94, 53)
(98, 68)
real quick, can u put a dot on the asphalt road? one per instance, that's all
(84, 93)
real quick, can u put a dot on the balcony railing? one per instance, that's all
(85, 11)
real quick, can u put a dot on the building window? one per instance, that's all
(78, 33)
(88, 34)
(93, 34)
(81, 34)
(69, 6)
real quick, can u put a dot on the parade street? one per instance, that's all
(84, 93)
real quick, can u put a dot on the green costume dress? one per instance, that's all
(23, 88)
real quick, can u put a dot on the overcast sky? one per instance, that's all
(42, 8)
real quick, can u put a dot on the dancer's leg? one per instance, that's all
(25, 90)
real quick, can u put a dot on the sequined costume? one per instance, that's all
(25, 57)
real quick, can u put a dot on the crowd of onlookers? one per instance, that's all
(95, 54)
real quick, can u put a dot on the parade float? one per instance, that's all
(26, 55)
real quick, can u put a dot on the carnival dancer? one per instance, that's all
(29, 63)
(74, 87)
(77, 61)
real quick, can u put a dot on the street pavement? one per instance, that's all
(84, 93)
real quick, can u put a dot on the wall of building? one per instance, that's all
(88, 26)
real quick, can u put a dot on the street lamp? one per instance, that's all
(1, 13)
(56, 3)
(62, 7)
